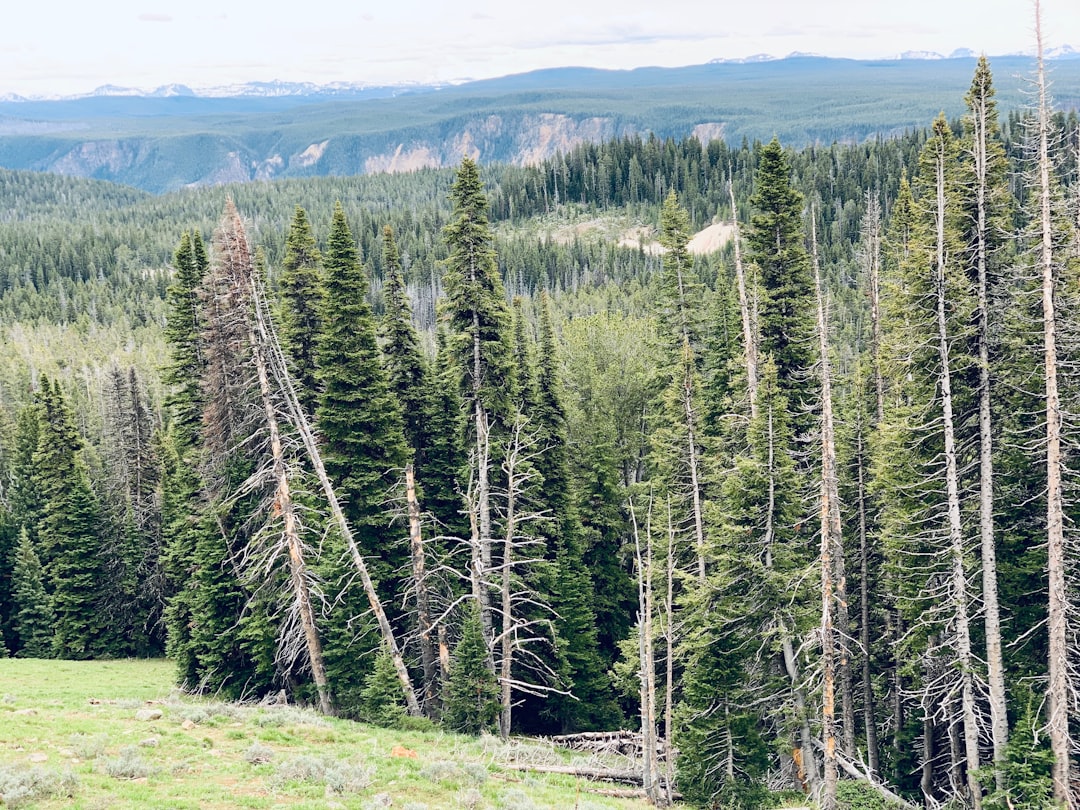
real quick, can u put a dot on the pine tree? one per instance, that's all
(32, 619)
(301, 305)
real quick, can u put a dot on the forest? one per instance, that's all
(493, 449)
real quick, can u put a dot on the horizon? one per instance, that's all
(133, 44)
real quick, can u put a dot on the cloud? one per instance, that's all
(156, 18)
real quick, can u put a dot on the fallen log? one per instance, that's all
(626, 777)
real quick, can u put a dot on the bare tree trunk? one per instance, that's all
(650, 767)
(283, 503)
(669, 668)
(507, 641)
(999, 721)
(1057, 692)
(832, 558)
(423, 597)
(299, 420)
(749, 336)
(952, 488)
(869, 721)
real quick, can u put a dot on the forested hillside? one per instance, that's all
(500, 448)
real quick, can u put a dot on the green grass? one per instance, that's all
(70, 729)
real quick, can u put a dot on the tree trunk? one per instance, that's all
(869, 720)
(692, 460)
(832, 558)
(506, 635)
(999, 721)
(962, 629)
(423, 597)
(669, 668)
(1057, 692)
(650, 767)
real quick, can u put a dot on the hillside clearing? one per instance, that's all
(96, 734)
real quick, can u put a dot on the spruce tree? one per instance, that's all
(364, 449)
(572, 594)
(68, 535)
(183, 372)
(406, 368)
(358, 419)
(776, 241)
(33, 619)
(471, 704)
(301, 307)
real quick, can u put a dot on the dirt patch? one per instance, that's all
(711, 239)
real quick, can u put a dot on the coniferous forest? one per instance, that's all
(451, 448)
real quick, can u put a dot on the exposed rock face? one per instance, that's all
(163, 164)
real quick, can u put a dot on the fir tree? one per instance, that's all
(406, 368)
(359, 424)
(301, 306)
(471, 705)
(776, 241)
(32, 619)
(185, 367)
(68, 535)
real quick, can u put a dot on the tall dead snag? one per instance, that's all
(832, 557)
(296, 415)
(982, 121)
(1057, 691)
(959, 592)
(871, 256)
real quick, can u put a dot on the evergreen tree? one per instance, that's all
(301, 306)
(776, 241)
(68, 535)
(572, 596)
(406, 368)
(364, 450)
(471, 704)
(358, 419)
(33, 619)
(184, 370)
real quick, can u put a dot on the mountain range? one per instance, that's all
(175, 136)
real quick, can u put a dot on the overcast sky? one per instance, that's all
(72, 47)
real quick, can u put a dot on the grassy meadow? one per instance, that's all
(116, 734)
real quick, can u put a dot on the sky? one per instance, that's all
(71, 46)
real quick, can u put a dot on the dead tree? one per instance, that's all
(832, 557)
(749, 330)
(1057, 691)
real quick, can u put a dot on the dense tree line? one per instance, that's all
(786, 506)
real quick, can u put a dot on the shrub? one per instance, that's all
(21, 786)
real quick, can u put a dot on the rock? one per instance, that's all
(382, 800)
(187, 725)
(65, 752)
(38, 757)
(25, 712)
(146, 715)
(150, 742)
(401, 752)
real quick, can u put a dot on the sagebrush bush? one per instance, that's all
(21, 786)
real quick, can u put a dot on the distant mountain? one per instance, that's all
(176, 136)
